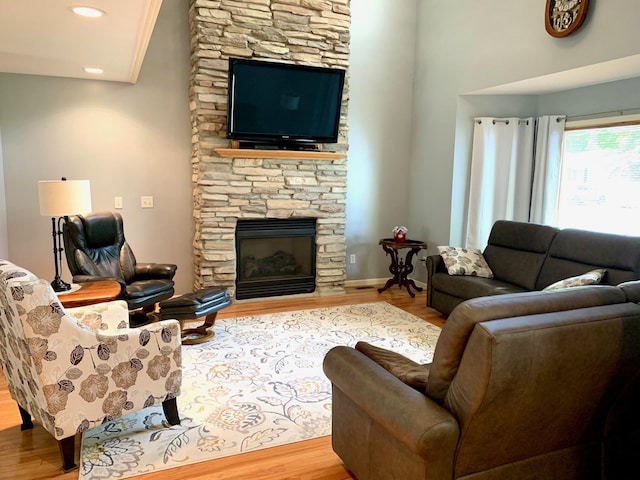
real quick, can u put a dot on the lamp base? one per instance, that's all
(60, 285)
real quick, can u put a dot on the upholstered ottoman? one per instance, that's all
(190, 306)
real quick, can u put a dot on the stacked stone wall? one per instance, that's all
(309, 32)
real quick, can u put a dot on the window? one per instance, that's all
(600, 178)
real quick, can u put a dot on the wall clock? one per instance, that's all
(563, 17)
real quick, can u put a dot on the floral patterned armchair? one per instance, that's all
(74, 369)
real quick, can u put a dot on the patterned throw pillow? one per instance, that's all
(465, 261)
(590, 278)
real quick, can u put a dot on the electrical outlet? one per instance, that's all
(146, 202)
(117, 202)
(352, 258)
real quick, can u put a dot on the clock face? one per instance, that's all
(563, 17)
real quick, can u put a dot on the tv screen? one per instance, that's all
(283, 104)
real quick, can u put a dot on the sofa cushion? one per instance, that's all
(631, 290)
(465, 261)
(589, 278)
(471, 287)
(520, 244)
(574, 252)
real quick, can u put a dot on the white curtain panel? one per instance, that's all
(546, 171)
(501, 175)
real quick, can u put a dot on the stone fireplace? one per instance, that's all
(232, 184)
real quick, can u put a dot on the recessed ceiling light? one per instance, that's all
(87, 12)
(93, 70)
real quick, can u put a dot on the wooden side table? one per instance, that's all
(90, 293)
(399, 268)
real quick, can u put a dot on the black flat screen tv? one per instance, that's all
(281, 105)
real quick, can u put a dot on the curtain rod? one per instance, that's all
(504, 120)
(609, 113)
(585, 116)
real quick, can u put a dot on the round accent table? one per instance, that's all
(399, 268)
(90, 293)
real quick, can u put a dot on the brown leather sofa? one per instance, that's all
(536, 385)
(527, 257)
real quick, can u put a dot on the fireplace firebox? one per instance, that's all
(275, 257)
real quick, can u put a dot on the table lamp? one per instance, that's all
(58, 200)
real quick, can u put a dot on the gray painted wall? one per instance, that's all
(380, 107)
(475, 45)
(4, 236)
(128, 140)
(133, 140)
(620, 95)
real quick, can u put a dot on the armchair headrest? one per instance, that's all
(99, 238)
(98, 229)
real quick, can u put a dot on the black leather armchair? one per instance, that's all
(96, 249)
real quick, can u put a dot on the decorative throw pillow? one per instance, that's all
(465, 261)
(590, 278)
(406, 370)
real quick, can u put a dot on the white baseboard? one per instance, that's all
(375, 282)
(366, 282)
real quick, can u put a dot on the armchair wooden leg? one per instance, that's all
(67, 453)
(170, 408)
(27, 424)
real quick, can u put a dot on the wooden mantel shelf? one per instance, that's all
(299, 154)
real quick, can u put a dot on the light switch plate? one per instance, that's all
(117, 203)
(146, 202)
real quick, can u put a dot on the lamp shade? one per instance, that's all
(59, 198)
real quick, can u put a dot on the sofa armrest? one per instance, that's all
(106, 316)
(155, 270)
(140, 365)
(631, 290)
(435, 264)
(423, 426)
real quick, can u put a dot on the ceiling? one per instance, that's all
(612, 70)
(44, 37)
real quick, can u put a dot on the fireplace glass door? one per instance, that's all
(275, 257)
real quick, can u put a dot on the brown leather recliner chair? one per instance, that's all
(537, 385)
(96, 249)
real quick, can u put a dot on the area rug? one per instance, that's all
(257, 384)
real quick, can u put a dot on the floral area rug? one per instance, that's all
(257, 384)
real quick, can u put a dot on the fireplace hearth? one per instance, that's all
(275, 257)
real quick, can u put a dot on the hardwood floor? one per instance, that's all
(33, 454)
